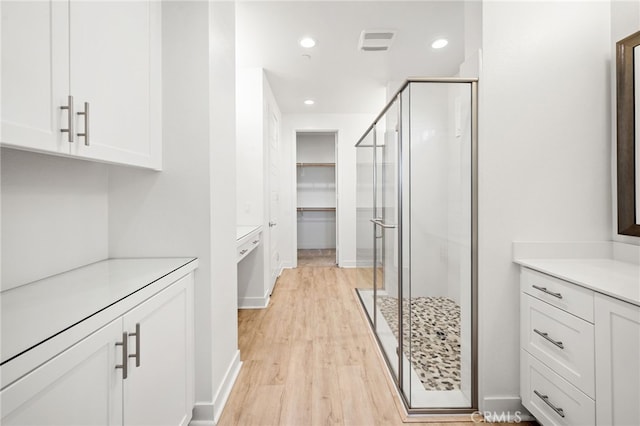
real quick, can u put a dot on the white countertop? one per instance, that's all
(37, 311)
(244, 230)
(597, 267)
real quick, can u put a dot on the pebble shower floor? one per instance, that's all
(435, 338)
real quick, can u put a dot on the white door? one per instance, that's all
(274, 197)
(159, 388)
(81, 386)
(617, 341)
(35, 74)
(115, 69)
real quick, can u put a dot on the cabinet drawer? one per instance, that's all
(541, 390)
(566, 296)
(245, 248)
(562, 341)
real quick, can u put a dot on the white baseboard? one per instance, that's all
(253, 302)
(504, 409)
(202, 415)
(208, 413)
(348, 264)
(224, 390)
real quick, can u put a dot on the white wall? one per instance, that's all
(625, 20)
(188, 209)
(350, 128)
(250, 147)
(54, 215)
(544, 149)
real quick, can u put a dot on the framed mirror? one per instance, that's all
(628, 134)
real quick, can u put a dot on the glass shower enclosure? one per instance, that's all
(417, 241)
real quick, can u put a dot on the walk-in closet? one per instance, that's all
(316, 198)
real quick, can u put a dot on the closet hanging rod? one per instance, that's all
(316, 164)
(316, 209)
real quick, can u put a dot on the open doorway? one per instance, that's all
(317, 201)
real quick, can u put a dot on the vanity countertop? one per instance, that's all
(244, 230)
(35, 312)
(608, 268)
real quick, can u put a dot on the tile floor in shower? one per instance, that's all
(434, 333)
(420, 390)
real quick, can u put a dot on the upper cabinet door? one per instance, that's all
(115, 68)
(35, 75)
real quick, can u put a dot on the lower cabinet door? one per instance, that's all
(617, 338)
(81, 386)
(159, 389)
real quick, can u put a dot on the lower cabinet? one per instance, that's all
(580, 354)
(136, 370)
(78, 387)
(617, 340)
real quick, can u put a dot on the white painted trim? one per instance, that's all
(348, 264)
(253, 302)
(495, 408)
(225, 388)
(287, 265)
(202, 414)
(256, 302)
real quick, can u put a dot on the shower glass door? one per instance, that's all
(417, 241)
(376, 233)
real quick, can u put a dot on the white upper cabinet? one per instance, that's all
(106, 55)
(35, 74)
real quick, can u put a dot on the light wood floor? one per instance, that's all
(316, 257)
(308, 359)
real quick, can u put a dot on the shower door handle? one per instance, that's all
(379, 222)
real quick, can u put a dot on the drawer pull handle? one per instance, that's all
(243, 251)
(544, 290)
(546, 336)
(137, 354)
(545, 398)
(256, 241)
(125, 361)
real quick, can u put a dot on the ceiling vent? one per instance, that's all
(376, 40)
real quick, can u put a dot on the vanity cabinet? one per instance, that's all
(557, 383)
(580, 348)
(617, 361)
(83, 79)
(137, 369)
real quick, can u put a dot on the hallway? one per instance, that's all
(309, 359)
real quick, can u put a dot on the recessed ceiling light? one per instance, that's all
(309, 102)
(440, 43)
(307, 42)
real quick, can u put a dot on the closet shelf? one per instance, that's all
(316, 209)
(316, 164)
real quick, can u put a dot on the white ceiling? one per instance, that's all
(338, 76)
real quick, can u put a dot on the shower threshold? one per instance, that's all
(418, 397)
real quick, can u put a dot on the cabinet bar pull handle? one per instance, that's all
(69, 128)
(125, 361)
(243, 251)
(544, 290)
(137, 354)
(545, 398)
(256, 242)
(85, 135)
(546, 336)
